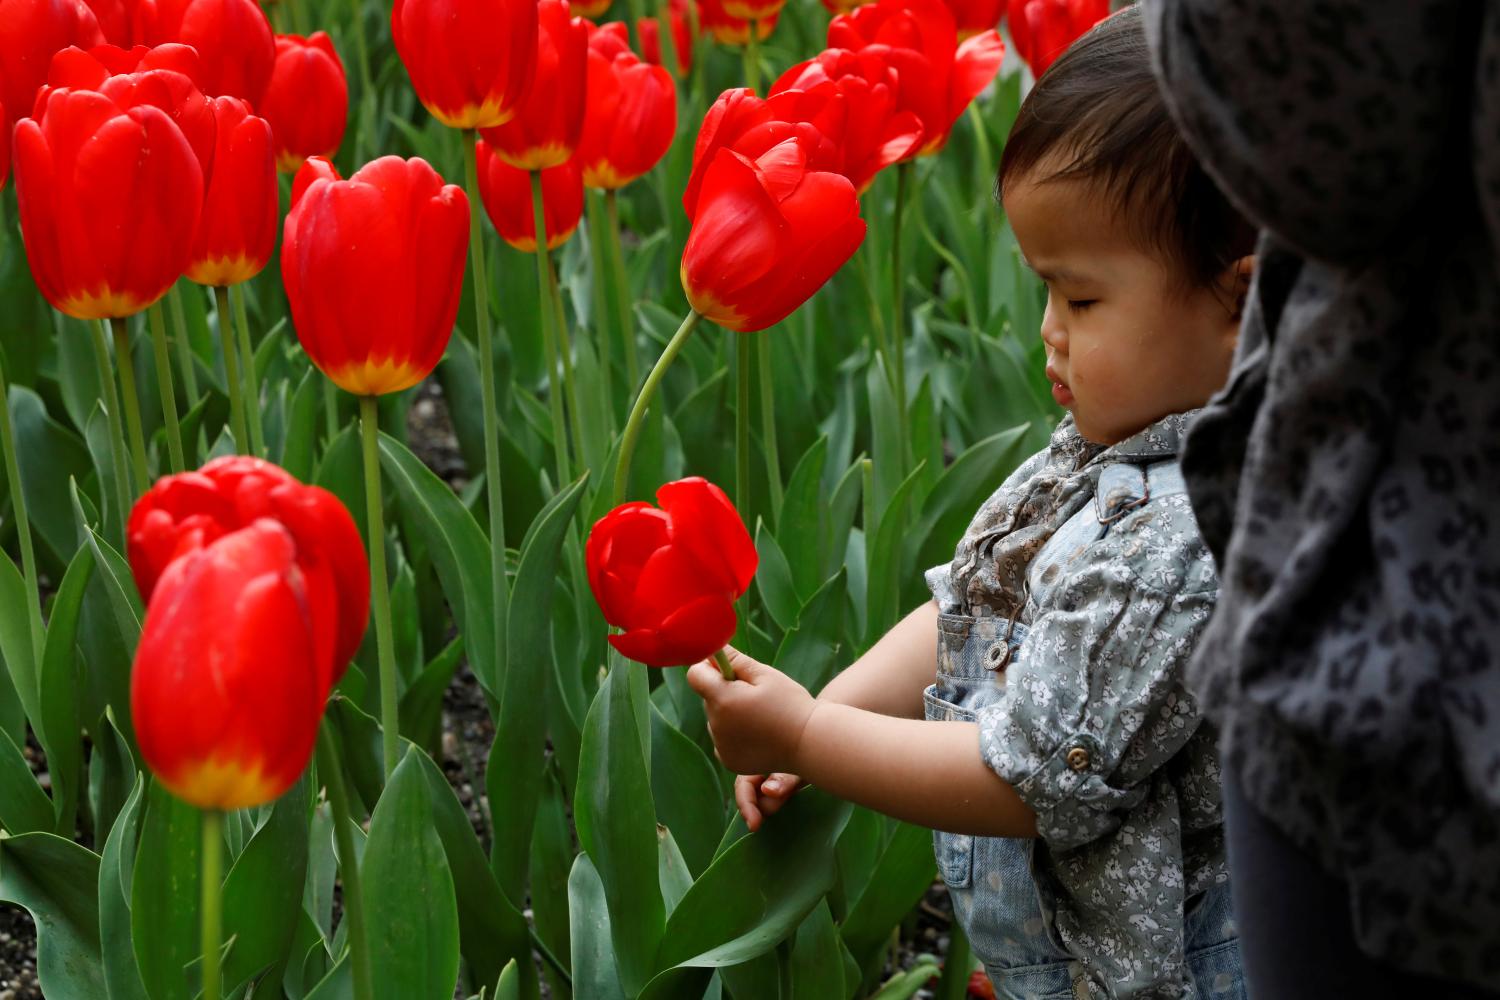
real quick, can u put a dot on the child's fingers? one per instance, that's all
(744, 798)
(704, 678)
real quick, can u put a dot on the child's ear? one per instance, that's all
(1237, 283)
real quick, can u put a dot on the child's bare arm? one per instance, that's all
(888, 679)
(924, 772)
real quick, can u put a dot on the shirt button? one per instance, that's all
(1078, 759)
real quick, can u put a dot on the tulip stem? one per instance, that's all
(184, 348)
(354, 897)
(390, 730)
(23, 525)
(724, 667)
(112, 411)
(211, 914)
(623, 300)
(668, 41)
(500, 589)
(638, 412)
(232, 372)
(752, 56)
(164, 380)
(768, 422)
(898, 317)
(252, 381)
(744, 351)
(141, 478)
(597, 256)
(331, 409)
(547, 318)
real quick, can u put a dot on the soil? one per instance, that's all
(467, 734)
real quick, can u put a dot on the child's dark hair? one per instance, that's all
(1097, 115)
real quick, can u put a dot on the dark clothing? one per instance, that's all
(1296, 940)
(1347, 479)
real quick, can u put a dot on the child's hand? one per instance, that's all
(759, 795)
(756, 721)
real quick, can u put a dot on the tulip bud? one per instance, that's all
(1043, 29)
(753, 10)
(768, 232)
(110, 197)
(670, 577)
(224, 691)
(307, 100)
(233, 39)
(506, 193)
(373, 267)
(188, 512)
(470, 61)
(937, 77)
(631, 114)
(31, 31)
(237, 231)
(729, 29)
(545, 129)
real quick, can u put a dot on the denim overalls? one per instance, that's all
(990, 879)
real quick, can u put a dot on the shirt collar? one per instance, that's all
(1160, 440)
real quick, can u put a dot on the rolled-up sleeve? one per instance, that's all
(1095, 702)
(1328, 123)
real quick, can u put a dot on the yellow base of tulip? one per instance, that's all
(224, 271)
(104, 304)
(473, 116)
(369, 378)
(223, 784)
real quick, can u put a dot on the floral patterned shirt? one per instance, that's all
(1097, 552)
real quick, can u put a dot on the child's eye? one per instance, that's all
(1079, 305)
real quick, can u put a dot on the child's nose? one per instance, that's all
(1053, 333)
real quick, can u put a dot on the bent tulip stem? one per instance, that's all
(116, 427)
(23, 525)
(643, 401)
(211, 913)
(184, 348)
(898, 318)
(353, 896)
(390, 731)
(252, 382)
(141, 478)
(723, 663)
(232, 372)
(164, 381)
(547, 318)
(500, 590)
(622, 290)
(768, 422)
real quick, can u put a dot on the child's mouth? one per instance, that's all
(1060, 390)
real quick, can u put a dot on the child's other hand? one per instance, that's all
(756, 721)
(759, 795)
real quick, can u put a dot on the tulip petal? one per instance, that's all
(705, 523)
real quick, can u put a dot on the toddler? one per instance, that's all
(1034, 713)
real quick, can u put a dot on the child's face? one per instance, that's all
(1126, 344)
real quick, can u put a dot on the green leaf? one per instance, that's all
(551, 861)
(421, 708)
(816, 974)
(491, 930)
(337, 985)
(24, 807)
(60, 731)
(964, 485)
(885, 429)
(686, 789)
(49, 456)
(302, 426)
(885, 560)
(411, 911)
(616, 819)
(514, 774)
(672, 871)
(809, 652)
(595, 974)
(263, 893)
(509, 986)
(799, 530)
(341, 472)
(752, 896)
(112, 773)
(905, 985)
(15, 638)
(120, 972)
(55, 880)
(774, 579)
(903, 873)
(164, 895)
(460, 552)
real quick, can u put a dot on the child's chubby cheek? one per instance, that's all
(756, 720)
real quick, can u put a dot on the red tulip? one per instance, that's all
(630, 117)
(837, 7)
(877, 133)
(649, 30)
(1043, 29)
(110, 196)
(470, 61)
(4, 149)
(238, 229)
(753, 10)
(670, 577)
(233, 39)
(373, 267)
(224, 691)
(506, 193)
(115, 20)
(975, 16)
(307, 100)
(591, 8)
(31, 31)
(188, 512)
(546, 126)
(937, 76)
(980, 986)
(767, 233)
(727, 29)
